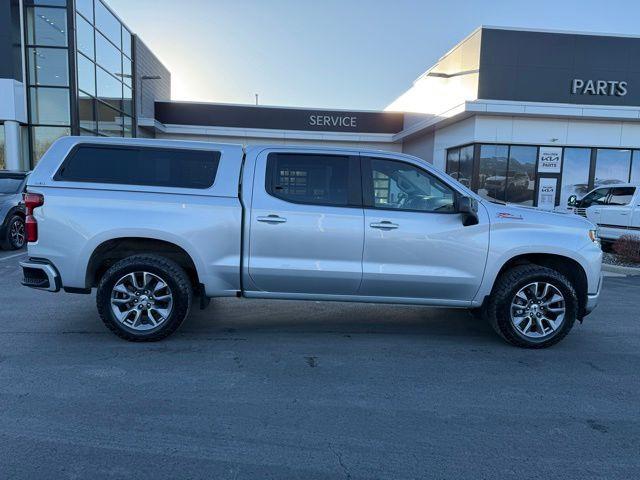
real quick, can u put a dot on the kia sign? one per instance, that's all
(608, 88)
(550, 160)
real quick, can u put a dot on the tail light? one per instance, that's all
(32, 201)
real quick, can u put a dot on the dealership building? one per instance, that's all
(524, 116)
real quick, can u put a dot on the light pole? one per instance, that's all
(142, 79)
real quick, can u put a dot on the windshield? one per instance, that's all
(597, 197)
(10, 185)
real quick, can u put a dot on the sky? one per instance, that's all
(347, 54)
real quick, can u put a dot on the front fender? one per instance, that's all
(509, 241)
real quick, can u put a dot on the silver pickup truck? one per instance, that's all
(155, 224)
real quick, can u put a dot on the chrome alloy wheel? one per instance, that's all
(16, 232)
(538, 310)
(141, 301)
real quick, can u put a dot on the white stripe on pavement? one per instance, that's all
(13, 256)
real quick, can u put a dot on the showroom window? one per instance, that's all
(612, 166)
(492, 177)
(576, 164)
(634, 177)
(521, 175)
(460, 164)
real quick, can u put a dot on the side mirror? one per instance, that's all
(573, 201)
(468, 207)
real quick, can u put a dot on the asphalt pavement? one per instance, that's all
(250, 389)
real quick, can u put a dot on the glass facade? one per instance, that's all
(575, 177)
(510, 172)
(104, 72)
(47, 65)
(460, 164)
(96, 98)
(612, 166)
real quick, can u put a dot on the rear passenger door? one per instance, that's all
(306, 229)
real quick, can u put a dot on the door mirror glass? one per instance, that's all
(572, 201)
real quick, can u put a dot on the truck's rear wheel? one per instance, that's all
(532, 306)
(144, 297)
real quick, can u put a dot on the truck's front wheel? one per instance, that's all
(144, 297)
(532, 306)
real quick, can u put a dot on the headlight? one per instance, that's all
(593, 235)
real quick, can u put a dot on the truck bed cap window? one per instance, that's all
(150, 166)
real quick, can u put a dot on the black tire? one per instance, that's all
(11, 241)
(167, 270)
(498, 306)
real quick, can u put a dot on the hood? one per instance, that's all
(510, 213)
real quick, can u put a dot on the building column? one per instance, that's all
(12, 145)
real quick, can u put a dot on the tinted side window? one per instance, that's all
(310, 178)
(402, 186)
(141, 166)
(621, 195)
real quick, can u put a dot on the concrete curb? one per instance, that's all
(631, 271)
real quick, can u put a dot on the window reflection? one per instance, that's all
(109, 121)
(521, 177)
(50, 106)
(612, 166)
(635, 168)
(47, 26)
(84, 37)
(575, 174)
(87, 114)
(86, 75)
(85, 7)
(108, 56)
(43, 137)
(108, 24)
(109, 89)
(48, 66)
(493, 171)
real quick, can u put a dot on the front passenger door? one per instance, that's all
(415, 243)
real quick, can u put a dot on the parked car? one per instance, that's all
(615, 209)
(497, 185)
(12, 235)
(151, 224)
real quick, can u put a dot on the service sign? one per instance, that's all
(550, 160)
(547, 193)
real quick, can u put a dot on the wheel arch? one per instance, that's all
(567, 266)
(111, 251)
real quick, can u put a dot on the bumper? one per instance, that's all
(40, 275)
(593, 299)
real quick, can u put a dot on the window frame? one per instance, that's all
(354, 192)
(368, 198)
(57, 176)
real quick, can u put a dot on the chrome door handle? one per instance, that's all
(271, 219)
(384, 225)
